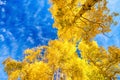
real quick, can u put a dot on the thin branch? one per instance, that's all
(100, 24)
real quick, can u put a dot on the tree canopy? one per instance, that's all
(78, 22)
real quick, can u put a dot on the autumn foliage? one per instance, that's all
(78, 22)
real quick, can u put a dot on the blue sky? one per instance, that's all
(114, 35)
(23, 24)
(28, 23)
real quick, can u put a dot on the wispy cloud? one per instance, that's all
(113, 5)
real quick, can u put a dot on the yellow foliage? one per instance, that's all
(32, 54)
(14, 75)
(80, 19)
(78, 22)
(36, 71)
(59, 53)
(106, 62)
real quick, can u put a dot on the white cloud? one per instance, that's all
(41, 2)
(2, 38)
(3, 9)
(113, 5)
(2, 2)
(3, 29)
(30, 39)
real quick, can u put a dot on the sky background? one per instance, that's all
(28, 23)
